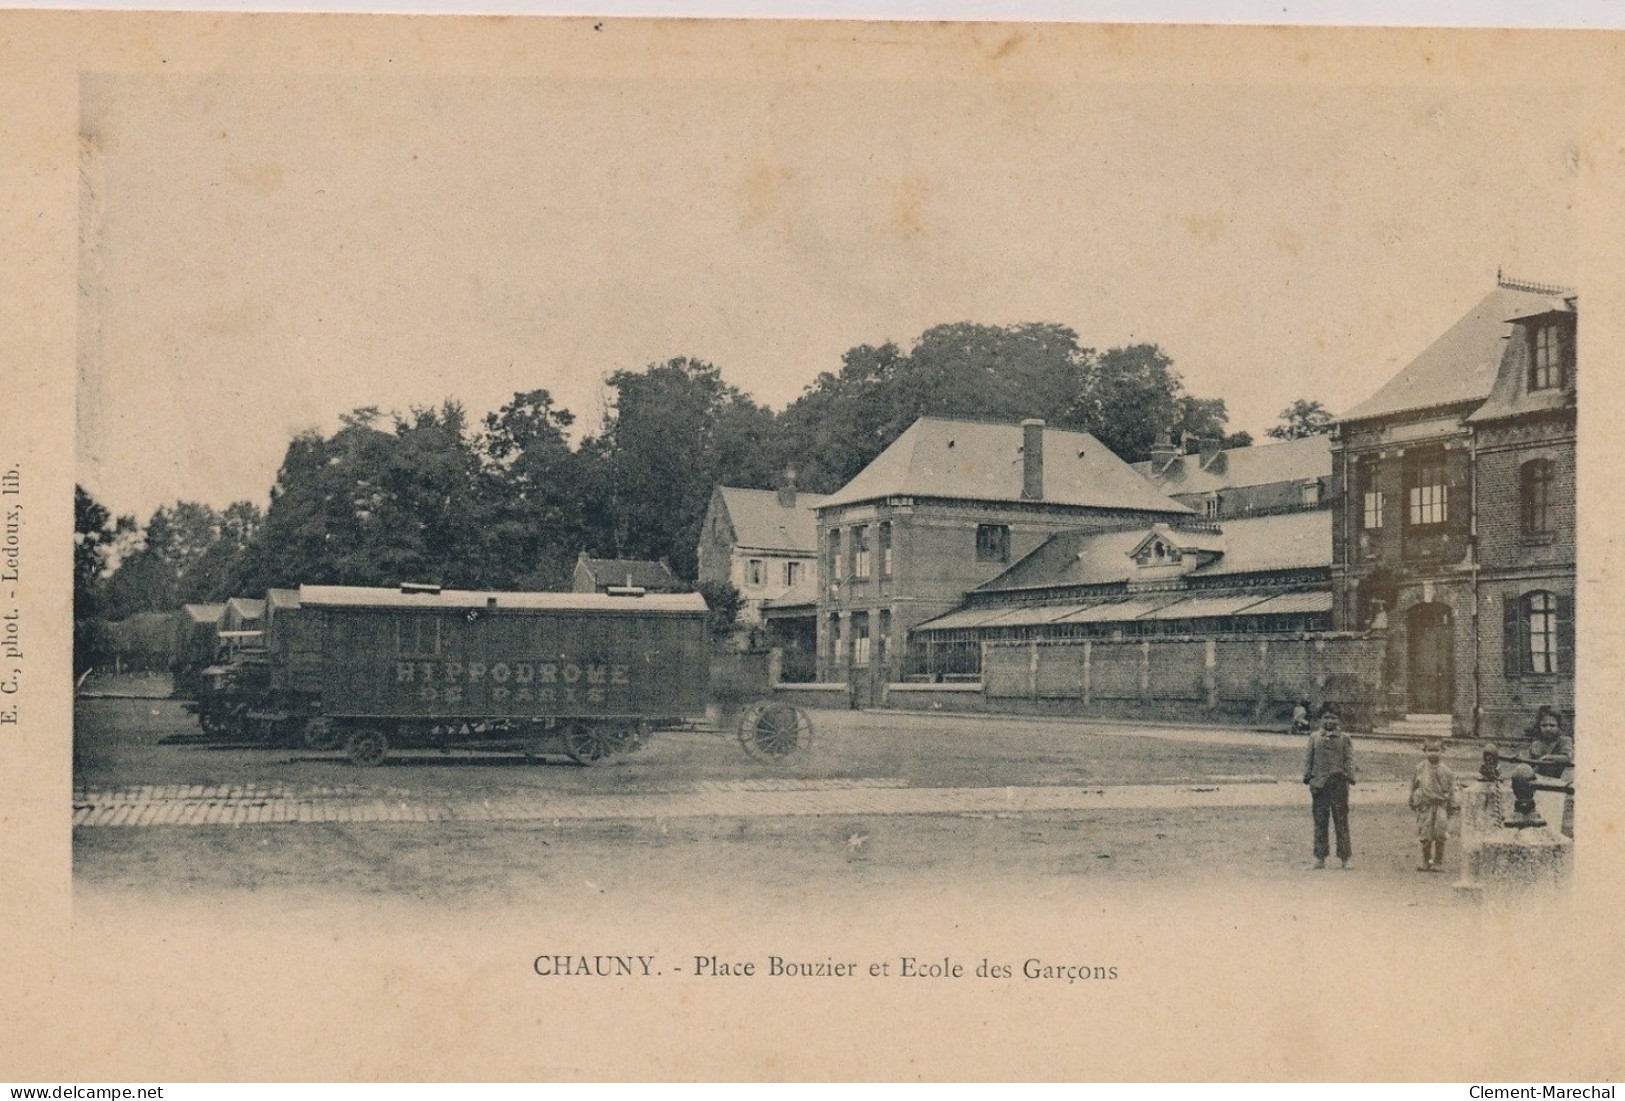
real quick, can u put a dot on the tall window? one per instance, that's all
(1546, 358)
(835, 638)
(860, 638)
(860, 552)
(992, 543)
(834, 561)
(1428, 494)
(1371, 498)
(883, 635)
(755, 573)
(1536, 493)
(792, 574)
(885, 549)
(1373, 509)
(1540, 613)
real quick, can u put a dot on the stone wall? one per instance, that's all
(1253, 680)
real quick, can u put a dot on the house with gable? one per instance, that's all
(762, 541)
(599, 575)
(1455, 529)
(949, 506)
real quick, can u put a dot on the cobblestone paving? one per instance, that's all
(250, 805)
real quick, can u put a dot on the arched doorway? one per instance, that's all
(1429, 672)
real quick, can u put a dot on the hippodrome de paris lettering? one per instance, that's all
(560, 681)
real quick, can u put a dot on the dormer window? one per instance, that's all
(1546, 356)
(1156, 552)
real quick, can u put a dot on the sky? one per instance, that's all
(260, 254)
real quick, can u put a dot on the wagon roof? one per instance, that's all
(352, 596)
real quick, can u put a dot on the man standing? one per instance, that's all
(1329, 770)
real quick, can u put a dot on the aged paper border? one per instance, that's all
(1225, 987)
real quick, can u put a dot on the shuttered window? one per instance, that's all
(1538, 634)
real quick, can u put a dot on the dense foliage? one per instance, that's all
(1301, 419)
(509, 502)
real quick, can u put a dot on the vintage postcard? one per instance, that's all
(666, 549)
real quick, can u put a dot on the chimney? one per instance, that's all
(1032, 460)
(1163, 453)
(787, 488)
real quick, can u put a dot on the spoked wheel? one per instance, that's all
(590, 745)
(321, 734)
(367, 746)
(637, 736)
(775, 731)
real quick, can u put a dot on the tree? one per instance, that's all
(723, 602)
(675, 430)
(1125, 396)
(1131, 396)
(369, 507)
(1301, 419)
(157, 572)
(93, 537)
(842, 421)
(539, 509)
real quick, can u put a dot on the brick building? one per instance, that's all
(1243, 481)
(947, 507)
(1455, 527)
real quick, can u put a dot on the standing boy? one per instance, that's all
(1329, 770)
(1433, 797)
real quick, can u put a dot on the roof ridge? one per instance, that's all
(997, 422)
(1532, 287)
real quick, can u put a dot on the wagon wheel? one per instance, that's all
(321, 734)
(589, 745)
(622, 739)
(775, 731)
(367, 746)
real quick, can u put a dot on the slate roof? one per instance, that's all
(760, 522)
(204, 613)
(1264, 544)
(1289, 461)
(1511, 395)
(1250, 544)
(1074, 558)
(638, 572)
(981, 461)
(1461, 365)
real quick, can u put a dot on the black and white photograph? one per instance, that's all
(637, 549)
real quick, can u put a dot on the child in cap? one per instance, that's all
(1433, 797)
